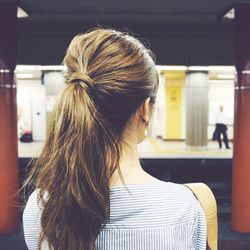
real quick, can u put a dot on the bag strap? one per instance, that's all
(204, 194)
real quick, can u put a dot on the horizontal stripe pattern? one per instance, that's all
(153, 216)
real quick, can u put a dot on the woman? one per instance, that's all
(91, 192)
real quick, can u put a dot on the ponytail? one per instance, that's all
(75, 167)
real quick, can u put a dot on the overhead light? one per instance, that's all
(21, 68)
(172, 67)
(198, 68)
(245, 71)
(21, 13)
(24, 76)
(230, 14)
(4, 70)
(26, 67)
(52, 67)
(222, 68)
(231, 76)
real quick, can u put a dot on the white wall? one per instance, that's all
(35, 101)
(27, 90)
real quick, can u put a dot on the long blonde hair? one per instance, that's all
(109, 75)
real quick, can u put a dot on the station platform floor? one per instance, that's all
(151, 148)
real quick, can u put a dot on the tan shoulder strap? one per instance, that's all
(208, 203)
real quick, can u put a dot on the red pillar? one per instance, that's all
(241, 154)
(9, 205)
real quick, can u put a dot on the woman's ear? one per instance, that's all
(146, 110)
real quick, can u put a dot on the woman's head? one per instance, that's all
(111, 83)
(117, 72)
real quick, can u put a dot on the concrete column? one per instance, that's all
(241, 153)
(196, 109)
(9, 207)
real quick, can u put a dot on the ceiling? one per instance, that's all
(140, 11)
(180, 32)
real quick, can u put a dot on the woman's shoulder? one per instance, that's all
(181, 202)
(176, 193)
(175, 187)
(157, 195)
(159, 203)
(31, 220)
(156, 189)
(170, 189)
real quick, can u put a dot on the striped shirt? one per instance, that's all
(153, 216)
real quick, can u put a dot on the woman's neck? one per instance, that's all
(130, 168)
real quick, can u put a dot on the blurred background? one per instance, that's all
(196, 44)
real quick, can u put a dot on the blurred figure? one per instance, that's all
(90, 189)
(221, 120)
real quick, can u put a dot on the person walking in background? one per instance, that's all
(221, 120)
(90, 189)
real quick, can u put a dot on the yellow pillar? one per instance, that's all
(174, 104)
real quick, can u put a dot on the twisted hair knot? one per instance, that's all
(80, 77)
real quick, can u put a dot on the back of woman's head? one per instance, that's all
(109, 75)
